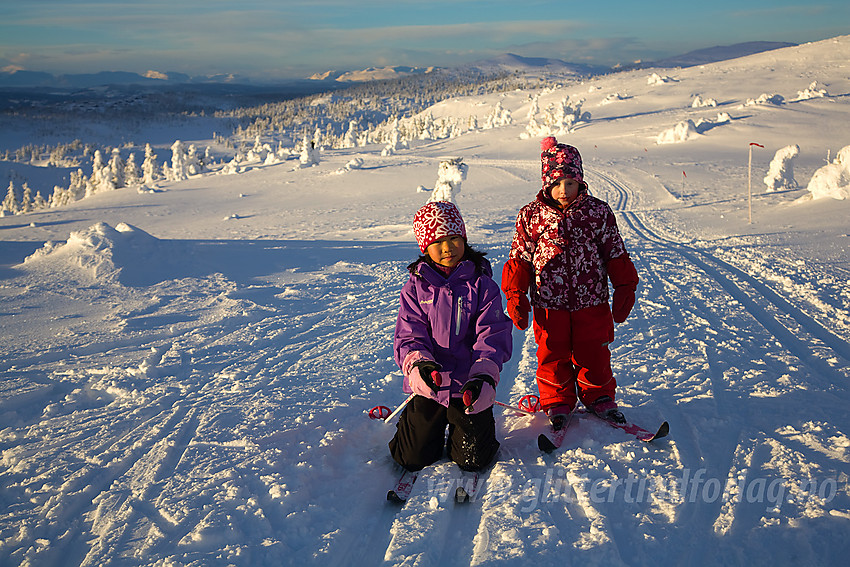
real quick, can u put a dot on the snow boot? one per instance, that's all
(606, 408)
(559, 416)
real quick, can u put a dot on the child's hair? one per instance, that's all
(469, 253)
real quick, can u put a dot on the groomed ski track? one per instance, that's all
(176, 429)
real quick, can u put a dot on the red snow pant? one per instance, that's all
(573, 360)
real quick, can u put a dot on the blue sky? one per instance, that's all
(294, 38)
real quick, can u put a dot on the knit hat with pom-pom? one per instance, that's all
(559, 160)
(436, 220)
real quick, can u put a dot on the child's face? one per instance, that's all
(565, 191)
(447, 251)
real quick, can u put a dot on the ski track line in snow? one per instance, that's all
(758, 301)
(752, 300)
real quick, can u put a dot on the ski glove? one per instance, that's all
(518, 309)
(624, 278)
(479, 393)
(425, 379)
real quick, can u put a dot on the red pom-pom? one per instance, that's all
(548, 143)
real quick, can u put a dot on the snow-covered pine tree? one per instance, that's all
(149, 167)
(132, 174)
(38, 201)
(77, 187)
(26, 199)
(11, 204)
(177, 172)
(97, 174)
(59, 197)
(194, 165)
(116, 169)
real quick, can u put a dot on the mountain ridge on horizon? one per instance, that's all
(507, 62)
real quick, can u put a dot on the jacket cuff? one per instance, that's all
(485, 366)
(412, 358)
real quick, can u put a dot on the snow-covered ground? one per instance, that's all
(187, 373)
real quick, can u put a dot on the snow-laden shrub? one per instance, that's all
(309, 152)
(764, 98)
(231, 167)
(832, 180)
(557, 120)
(354, 163)
(500, 116)
(614, 97)
(656, 79)
(700, 102)
(681, 132)
(780, 174)
(394, 140)
(150, 169)
(814, 91)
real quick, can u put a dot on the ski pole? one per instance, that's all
(515, 408)
(399, 408)
(435, 376)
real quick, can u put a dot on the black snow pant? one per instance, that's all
(421, 435)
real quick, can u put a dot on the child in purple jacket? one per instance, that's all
(451, 339)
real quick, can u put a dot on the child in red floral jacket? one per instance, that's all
(565, 248)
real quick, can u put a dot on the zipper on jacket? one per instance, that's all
(459, 315)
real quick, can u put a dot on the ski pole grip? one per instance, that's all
(438, 380)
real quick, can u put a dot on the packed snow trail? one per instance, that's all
(220, 417)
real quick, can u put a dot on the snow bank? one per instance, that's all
(832, 180)
(101, 252)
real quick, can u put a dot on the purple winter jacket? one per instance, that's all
(457, 321)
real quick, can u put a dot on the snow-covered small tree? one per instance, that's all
(11, 203)
(38, 202)
(77, 187)
(309, 153)
(450, 175)
(813, 91)
(59, 197)
(149, 167)
(97, 170)
(116, 169)
(832, 180)
(177, 171)
(26, 199)
(700, 102)
(349, 140)
(101, 176)
(132, 174)
(500, 116)
(194, 165)
(780, 174)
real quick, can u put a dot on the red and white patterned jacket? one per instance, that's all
(569, 251)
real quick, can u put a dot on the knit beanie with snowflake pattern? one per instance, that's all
(559, 160)
(436, 220)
